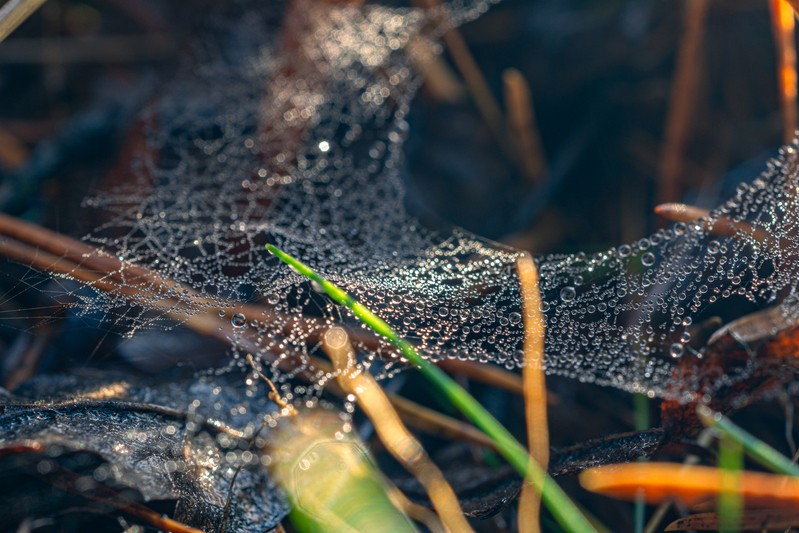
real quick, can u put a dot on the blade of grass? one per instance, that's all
(641, 414)
(758, 450)
(330, 478)
(558, 503)
(730, 499)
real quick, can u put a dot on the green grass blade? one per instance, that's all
(641, 416)
(731, 461)
(758, 450)
(556, 501)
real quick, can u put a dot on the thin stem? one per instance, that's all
(754, 447)
(558, 503)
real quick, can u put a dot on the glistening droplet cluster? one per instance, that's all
(289, 130)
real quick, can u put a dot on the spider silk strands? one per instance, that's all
(558, 503)
(55, 253)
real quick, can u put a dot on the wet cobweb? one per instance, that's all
(286, 126)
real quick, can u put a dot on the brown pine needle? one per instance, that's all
(434, 423)
(439, 79)
(400, 442)
(783, 23)
(420, 513)
(14, 13)
(722, 226)
(523, 131)
(535, 391)
(52, 252)
(274, 395)
(13, 153)
(690, 484)
(682, 100)
(751, 520)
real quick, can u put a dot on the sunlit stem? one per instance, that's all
(14, 13)
(558, 503)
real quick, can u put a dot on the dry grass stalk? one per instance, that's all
(682, 101)
(535, 391)
(13, 154)
(721, 226)
(439, 79)
(14, 13)
(419, 513)
(782, 23)
(523, 130)
(751, 520)
(690, 484)
(32, 245)
(400, 442)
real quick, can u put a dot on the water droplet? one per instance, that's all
(676, 350)
(648, 259)
(567, 294)
(238, 320)
(514, 318)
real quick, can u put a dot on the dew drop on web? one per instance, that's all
(302, 147)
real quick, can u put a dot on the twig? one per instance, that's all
(562, 508)
(102, 273)
(13, 154)
(522, 126)
(392, 432)
(535, 389)
(782, 23)
(14, 13)
(481, 93)
(682, 100)
(99, 49)
(721, 225)
(420, 513)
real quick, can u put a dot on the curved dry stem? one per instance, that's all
(392, 432)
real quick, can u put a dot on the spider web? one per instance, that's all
(287, 127)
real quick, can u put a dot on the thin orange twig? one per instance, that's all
(535, 389)
(783, 27)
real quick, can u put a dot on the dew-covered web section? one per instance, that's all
(287, 127)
